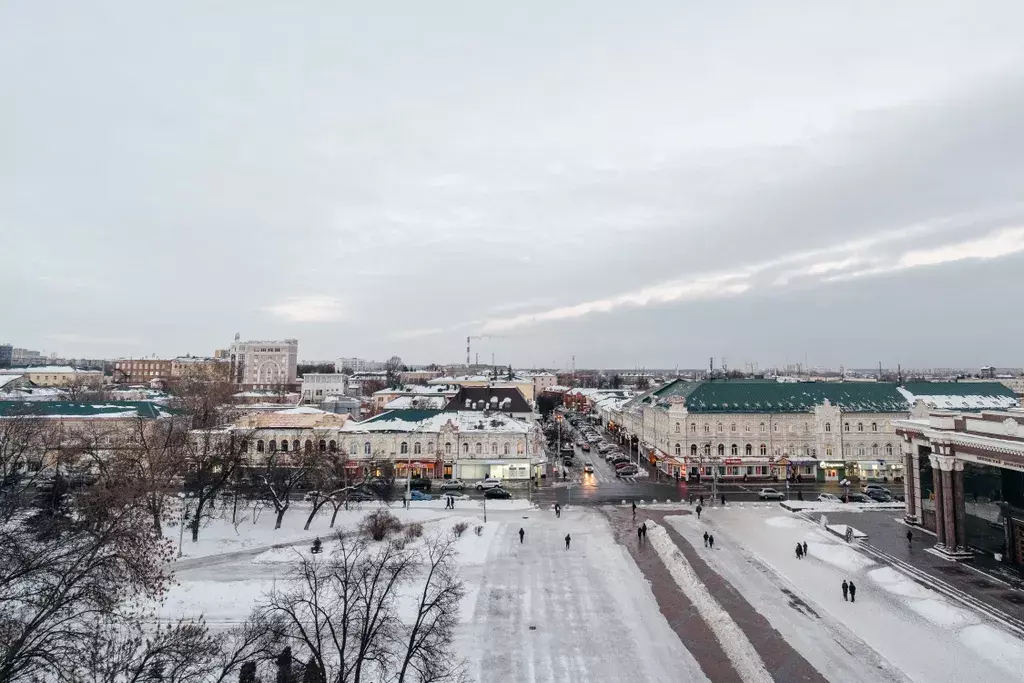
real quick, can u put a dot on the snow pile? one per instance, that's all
(734, 642)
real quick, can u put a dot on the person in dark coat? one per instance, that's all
(521, 534)
(567, 539)
(910, 537)
(702, 499)
(644, 528)
(805, 547)
(634, 509)
(846, 589)
(799, 551)
(705, 539)
(639, 534)
(699, 509)
(853, 592)
(723, 499)
(711, 542)
(558, 510)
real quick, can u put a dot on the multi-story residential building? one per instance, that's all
(418, 376)
(212, 368)
(264, 364)
(25, 356)
(141, 370)
(6, 355)
(318, 387)
(768, 429)
(542, 381)
(358, 365)
(57, 375)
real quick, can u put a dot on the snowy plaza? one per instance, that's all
(615, 607)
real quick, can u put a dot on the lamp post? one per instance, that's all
(181, 522)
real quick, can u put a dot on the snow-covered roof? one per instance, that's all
(7, 379)
(417, 389)
(424, 402)
(960, 395)
(432, 421)
(48, 369)
(301, 410)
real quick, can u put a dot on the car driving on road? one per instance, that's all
(453, 485)
(829, 498)
(497, 492)
(488, 484)
(589, 468)
(770, 494)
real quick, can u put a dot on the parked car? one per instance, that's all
(488, 484)
(603, 448)
(770, 494)
(879, 495)
(585, 447)
(420, 483)
(310, 495)
(627, 471)
(416, 494)
(497, 492)
(619, 460)
(622, 463)
(568, 462)
(878, 487)
(357, 495)
(829, 498)
(453, 485)
(860, 498)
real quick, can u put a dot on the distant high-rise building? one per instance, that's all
(6, 355)
(359, 365)
(264, 364)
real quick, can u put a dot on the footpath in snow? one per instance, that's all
(896, 630)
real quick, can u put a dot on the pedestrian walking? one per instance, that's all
(705, 539)
(521, 534)
(644, 527)
(723, 499)
(699, 510)
(702, 499)
(404, 503)
(846, 590)
(711, 542)
(910, 538)
(567, 539)
(805, 547)
(639, 534)
(634, 509)
(853, 592)
(452, 497)
(691, 500)
(799, 551)
(558, 510)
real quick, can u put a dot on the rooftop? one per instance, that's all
(58, 409)
(753, 396)
(490, 397)
(960, 395)
(433, 420)
(48, 369)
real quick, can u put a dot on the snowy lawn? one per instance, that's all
(894, 621)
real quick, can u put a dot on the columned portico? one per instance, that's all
(950, 514)
(911, 484)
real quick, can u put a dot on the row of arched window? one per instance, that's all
(748, 450)
(762, 427)
(273, 446)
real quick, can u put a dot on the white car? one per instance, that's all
(770, 494)
(588, 468)
(829, 498)
(489, 483)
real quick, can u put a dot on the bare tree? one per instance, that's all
(342, 614)
(281, 475)
(214, 457)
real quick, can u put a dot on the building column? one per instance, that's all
(910, 478)
(961, 511)
(940, 524)
(948, 510)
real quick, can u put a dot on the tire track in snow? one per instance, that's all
(734, 642)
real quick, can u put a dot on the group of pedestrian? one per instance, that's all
(449, 502)
(641, 533)
(801, 550)
(709, 541)
(849, 589)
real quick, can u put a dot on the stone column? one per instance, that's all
(948, 509)
(908, 487)
(937, 479)
(958, 503)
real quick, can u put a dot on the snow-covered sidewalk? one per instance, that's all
(915, 629)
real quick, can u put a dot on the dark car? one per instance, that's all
(627, 471)
(860, 498)
(361, 495)
(879, 496)
(420, 483)
(497, 493)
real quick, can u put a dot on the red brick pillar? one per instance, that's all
(958, 502)
(940, 524)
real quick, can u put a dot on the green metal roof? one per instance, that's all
(959, 389)
(408, 415)
(82, 410)
(742, 396)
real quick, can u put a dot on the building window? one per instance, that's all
(259, 446)
(874, 426)
(417, 448)
(309, 446)
(465, 448)
(828, 426)
(734, 450)
(284, 445)
(403, 448)
(693, 450)
(761, 427)
(746, 427)
(860, 451)
(775, 427)
(860, 426)
(677, 427)
(828, 451)
(721, 449)
(494, 448)
(847, 450)
(479, 448)
(749, 450)
(273, 446)
(846, 426)
(707, 450)
(507, 449)
(430, 447)
(874, 450)
(295, 445)
(353, 448)
(707, 428)
(679, 449)
(333, 446)
(520, 449)
(888, 449)
(719, 428)
(732, 427)
(366, 448)
(693, 427)
(243, 447)
(448, 447)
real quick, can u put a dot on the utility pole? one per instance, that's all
(711, 367)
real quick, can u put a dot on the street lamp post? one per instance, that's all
(181, 522)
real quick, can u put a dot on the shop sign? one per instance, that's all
(782, 461)
(824, 464)
(734, 461)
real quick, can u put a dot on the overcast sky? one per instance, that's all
(638, 184)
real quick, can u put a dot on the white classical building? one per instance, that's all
(319, 386)
(264, 364)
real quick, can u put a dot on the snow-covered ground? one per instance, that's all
(592, 613)
(897, 629)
